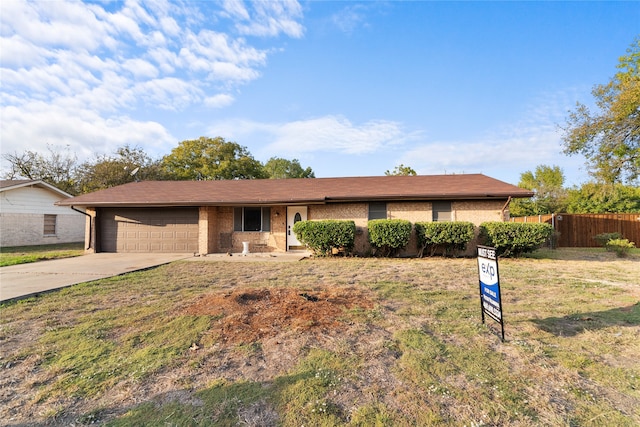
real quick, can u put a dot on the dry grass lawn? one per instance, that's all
(324, 342)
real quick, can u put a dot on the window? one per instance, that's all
(50, 225)
(252, 219)
(441, 211)
(377, 210)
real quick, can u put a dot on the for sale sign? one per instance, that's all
(490, 302)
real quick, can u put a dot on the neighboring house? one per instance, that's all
(29, 216)
(205, 217)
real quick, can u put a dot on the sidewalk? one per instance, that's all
(20, 281)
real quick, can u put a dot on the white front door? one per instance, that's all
(294, 214)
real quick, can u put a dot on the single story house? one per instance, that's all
(204, 217)
(29, 216)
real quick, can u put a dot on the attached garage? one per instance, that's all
(168, 230)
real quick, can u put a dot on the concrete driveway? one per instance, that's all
(18, 281)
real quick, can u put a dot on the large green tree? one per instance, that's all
(127, 164)
(278, 168)
(549, 194)
(610, 137)
(57, 167)
(401, 170)
(212, 158)
(594, 197)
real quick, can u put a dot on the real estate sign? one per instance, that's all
(490, 302)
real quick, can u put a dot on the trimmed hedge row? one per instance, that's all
(446, 238)
(322, 237)
(514, 238)
(389, 235)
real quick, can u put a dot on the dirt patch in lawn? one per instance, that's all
(245, 316)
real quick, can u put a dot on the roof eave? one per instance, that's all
(430, 197)
(290, 202)
(37, 183)
(192, 203)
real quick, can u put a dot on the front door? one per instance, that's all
(294, 214)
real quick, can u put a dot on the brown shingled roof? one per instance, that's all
(300, 191)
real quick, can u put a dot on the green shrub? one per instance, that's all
(604, 238)
(620, 246)
(322, 237)
(389, 235)
(514, 238)
(449, 238)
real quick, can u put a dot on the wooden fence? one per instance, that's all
(577, 230)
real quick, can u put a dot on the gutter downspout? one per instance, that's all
(90, 225)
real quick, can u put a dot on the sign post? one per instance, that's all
(490, 301)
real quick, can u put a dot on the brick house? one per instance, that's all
(206, 217)
(28, 215)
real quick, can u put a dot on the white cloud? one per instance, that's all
(166, 60)
(504, 153)
(336, 134)
(333, 134)
(140, 68)
(270, 18)
(235, 9)
(169, 26)
(39, 124)
(75, 73)
(219, 101)
(167, 93)
(20, 53)
(509, 152)
(350, 18)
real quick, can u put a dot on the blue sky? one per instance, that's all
(348, 88)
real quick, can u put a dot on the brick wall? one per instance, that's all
(358, 212)
(278, 235)
(208, 237)
(478, 212)
(90, 232)
(28, 229)
(475, 212)
(413, 212)
(217, 235)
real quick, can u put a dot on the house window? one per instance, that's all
(252, 219)
(441, 211)
(50, 225)
(377, 210)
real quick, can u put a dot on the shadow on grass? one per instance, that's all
(224, 403)
(582, 254)
(577, 323)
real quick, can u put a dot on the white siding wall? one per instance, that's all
(32, 200)
(22, 213)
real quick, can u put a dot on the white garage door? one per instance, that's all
(169, 230)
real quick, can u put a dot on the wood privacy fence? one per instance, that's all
(578, 230)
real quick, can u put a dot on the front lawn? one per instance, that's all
(24, 254)
(330, 342)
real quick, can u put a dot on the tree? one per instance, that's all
(401, 170)
(610, 137)
(212, 158)
(550, 196)
(278, 168)
(127, 164)
(593, 197)
(57, 168)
